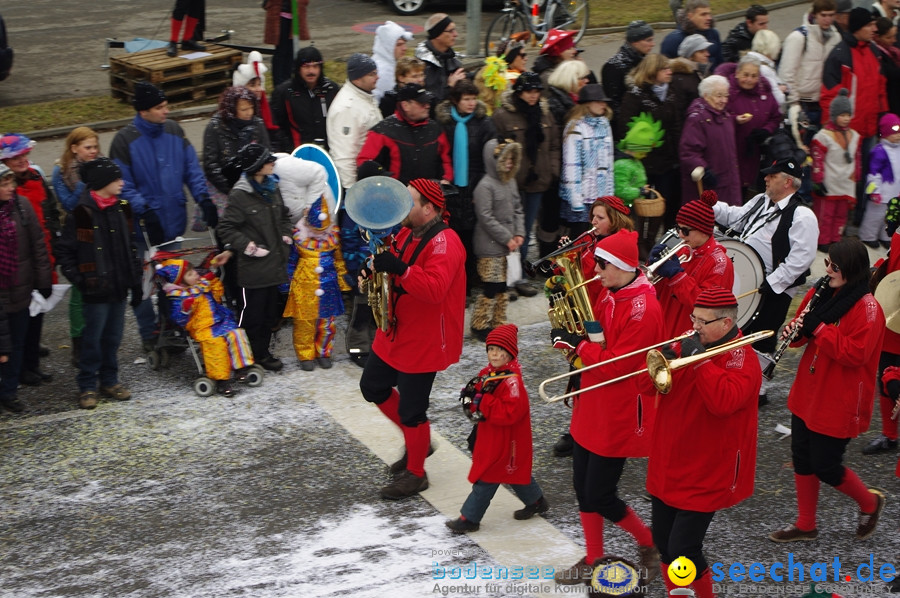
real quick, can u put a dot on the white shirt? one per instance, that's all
(755, 227)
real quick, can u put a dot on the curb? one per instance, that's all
(106, 125)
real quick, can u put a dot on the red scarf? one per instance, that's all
(104, 202)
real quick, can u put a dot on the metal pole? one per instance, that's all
(295, 27)
(473, 28)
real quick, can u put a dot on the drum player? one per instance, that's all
(784, 232)
(709, 266)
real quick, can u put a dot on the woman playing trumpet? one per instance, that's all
(833, 394)
(681, 283)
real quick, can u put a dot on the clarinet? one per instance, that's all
(769, 372)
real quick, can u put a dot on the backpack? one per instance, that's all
(6, 53)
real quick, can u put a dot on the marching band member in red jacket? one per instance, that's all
(615, 422)
(833, 394)
(426, 267)
(502, 453)
(708, 267)
(703, 451)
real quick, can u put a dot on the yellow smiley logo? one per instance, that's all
(682, 571)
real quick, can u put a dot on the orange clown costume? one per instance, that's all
(315, 295)
(199, 310)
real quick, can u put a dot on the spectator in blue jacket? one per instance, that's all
(157, 163)
(697, 19)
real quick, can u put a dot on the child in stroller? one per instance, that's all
(195, 303)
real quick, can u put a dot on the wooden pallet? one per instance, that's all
(181, 79)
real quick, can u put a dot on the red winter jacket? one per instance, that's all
(854, 65)
(617, 420)
(837, 398)
(891, 342)
(502, 452)
(703, 455)
(709, 267)
(33, 187)
(431, 312)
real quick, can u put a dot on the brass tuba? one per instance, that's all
(377, 204)
(570, 304)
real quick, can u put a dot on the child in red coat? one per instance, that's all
(502, 453)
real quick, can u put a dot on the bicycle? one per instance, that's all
(519, 16)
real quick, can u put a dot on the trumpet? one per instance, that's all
(658, 367)
(650, 269)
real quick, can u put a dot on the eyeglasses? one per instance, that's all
(830, 264)
(450, 30)
(684, 230)
(702, 322)
(602, 263)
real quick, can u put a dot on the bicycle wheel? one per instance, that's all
(502, 28)
(570, 15)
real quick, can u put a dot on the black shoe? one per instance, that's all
(240, 374)
(885, 244)
(271, 363)
(513, 296)
(324, 362)
(872, 244)
(30, 378)
(307, 365)
(524, 289)
(404, 485)
(462, 526)
(530, 511)
(189, 45)
(12, 403)
(172, 50)
(43, 350)
(763, 401)
(225, 388)
(881, 444)
(564, 446)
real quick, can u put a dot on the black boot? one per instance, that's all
(172, 50)
(189, 45)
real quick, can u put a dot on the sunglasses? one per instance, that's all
(684, 230)
(602, 263)
(830, 264)
(702, 322)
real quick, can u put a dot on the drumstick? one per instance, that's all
(747, 294)
(697, 175)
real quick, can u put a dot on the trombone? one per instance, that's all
(658, 367)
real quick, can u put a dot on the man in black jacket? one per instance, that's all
(741, 37)
(638, 43)
(442, 68)
(300, 105)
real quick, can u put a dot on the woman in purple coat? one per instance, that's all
(748, 93)
(707, 146)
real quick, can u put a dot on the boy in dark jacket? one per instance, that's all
(97, 254)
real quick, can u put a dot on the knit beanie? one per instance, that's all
(888, 125)
(638, 30)
(99, 173)
(359, 65)
(619, 249)
(506, 337)
(252, 157)
(859, 18)
(615, 203)
(146, 96)
(15, 144)
(840, 105)
(307, 55)
(173, 270)
(698, 214)
(430, 190)
(715, 298)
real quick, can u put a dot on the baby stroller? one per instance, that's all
(172, 338)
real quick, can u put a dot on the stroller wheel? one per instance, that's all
(254, 375)
(204, 387)
(164, 358)
(154, 360)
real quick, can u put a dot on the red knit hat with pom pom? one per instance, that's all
(698, 214)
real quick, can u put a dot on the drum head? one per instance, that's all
(749, 273)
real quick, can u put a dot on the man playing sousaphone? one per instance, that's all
(703, 449)
(709, 266)
(784, 232)
(614, 423)
(426, 264)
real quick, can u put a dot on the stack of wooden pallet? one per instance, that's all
(181, 79)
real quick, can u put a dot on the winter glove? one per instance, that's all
(210, 214)
(655, 252)
(364, 273)
(710, 180)
(692, 346)
(153, 227)
(819, 189)
(255, 251)
(670, 268)
(758, 136)
(594, 331)
(564, 340)
(810, 322)
(388, 262)
(137, 296)
(45, 292)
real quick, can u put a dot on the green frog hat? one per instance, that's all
(644, 134)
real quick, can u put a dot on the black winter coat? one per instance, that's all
(739, 40)
(97, 253)
(300, 113)
(616, 70)
(34, 269)
(671, 113)
(221, 141)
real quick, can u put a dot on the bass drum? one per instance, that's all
(749, 274)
